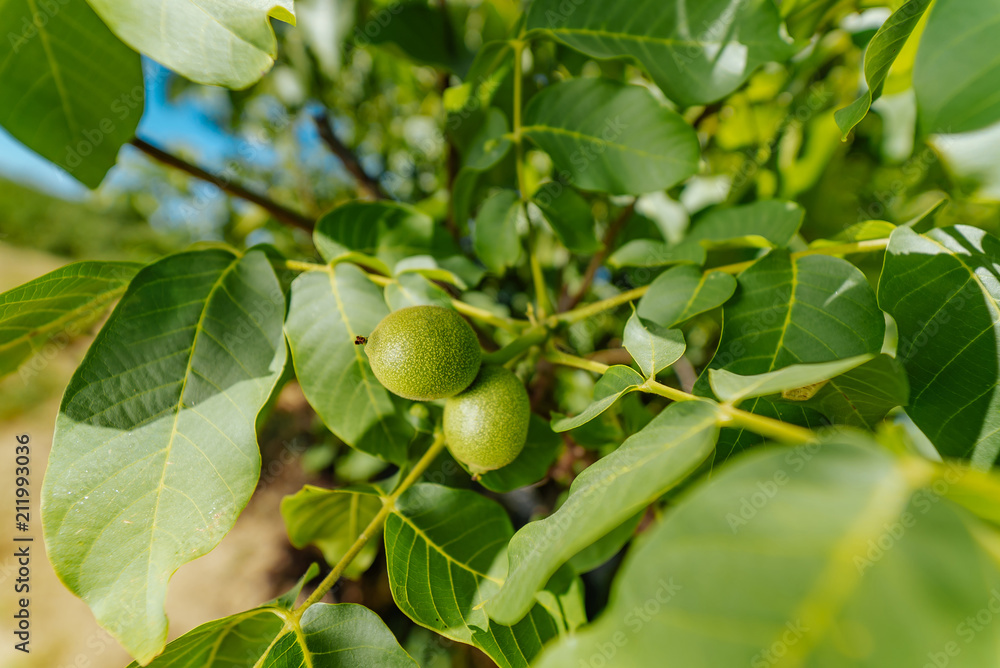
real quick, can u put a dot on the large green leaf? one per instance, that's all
(444, 547)
(697, 51)
(387, 231)
(879, 57)
(863, 396)
(603, 497)
(797, 311)
(421, 32)
(328, 310)
(332, 519)
(328, 636)
(611, 137)
(942, 289)
(155, 450)
(682, 292)
(956, 74)
(56, 306)
(68, 89)
(495, 236)
(833, 555)
(221, 42)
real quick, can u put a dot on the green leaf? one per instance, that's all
(219, 42)
(539, 453)
(287, 600)
(155, 451)
(57, 306)
(332, 519)
(942, 290)
(569, 215)
(488, 148)
(879, 57)
(804, 557)
(422, 33)
(863, 396)
(332, 636)
(956, 72)
(764, 224)
(414, 290)
(604, 496)
(385, 230)
(443, 547)
(495, 237)
(802, 17)
(616, 382)
(69, 90)
(682, 292)
(603, 549)
(733, 388)
(788, 311)
(650, 253)
(697, 51)
(611, 137)
(652, 346)
(328, 310)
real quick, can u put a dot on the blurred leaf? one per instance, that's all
(650, 253)
(569, 215)
(763, 224)
(57, 305)
(733, 388)
(70, 91)
(332, 519)
(844, 543)
(388, 231)
(328, 310)
(957, 73)
(942, 289)
(603, 497)
(539, 453)
(414, 290)
(219, 42)
(611, 137)
(495, 238)
(423, 33)
(879, 57)
(680, 293)
(155, 450)
(697, 51)
(615, 383)
(442, 546)
(652, 346)
(489, 146)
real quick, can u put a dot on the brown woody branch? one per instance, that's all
(368, 186)
(280, 212)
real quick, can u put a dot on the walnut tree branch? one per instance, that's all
(280, 212)
(369, 187)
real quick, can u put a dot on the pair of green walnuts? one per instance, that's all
(429, 352)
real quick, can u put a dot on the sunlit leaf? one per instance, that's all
(680, 293)
(652, 346)
(155, 451)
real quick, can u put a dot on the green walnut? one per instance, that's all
(423, 352)
(486, 426)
